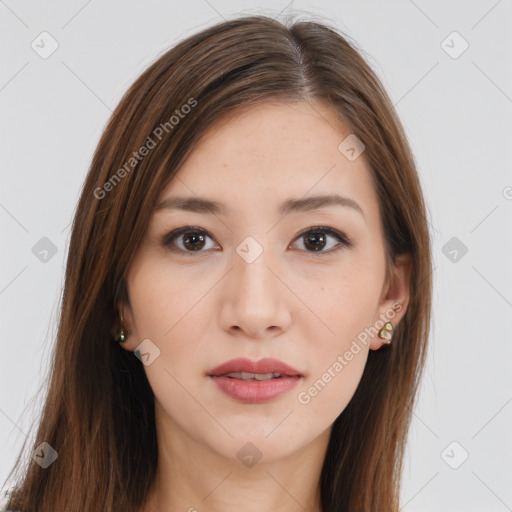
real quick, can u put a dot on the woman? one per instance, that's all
(248, 288)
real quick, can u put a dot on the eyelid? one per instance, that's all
(176, 233)
(343, 240)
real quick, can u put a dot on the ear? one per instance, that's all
(394, 297)
(126, 319)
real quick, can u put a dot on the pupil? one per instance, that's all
(318, 241)
(194, 238)
(316, 238)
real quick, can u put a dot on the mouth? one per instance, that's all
(255, 381)
(247, 376)
(246, 369)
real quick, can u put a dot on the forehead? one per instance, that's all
(271, 152)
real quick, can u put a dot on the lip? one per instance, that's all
(255, 392)
(266, 365)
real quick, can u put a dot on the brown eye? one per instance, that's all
(193, 241)
(187, 239)
(317, 239)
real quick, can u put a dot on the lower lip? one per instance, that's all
(255, 391)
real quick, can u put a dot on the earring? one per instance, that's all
(121, 333)
(385, 333)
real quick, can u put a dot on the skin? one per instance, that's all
(300, 306)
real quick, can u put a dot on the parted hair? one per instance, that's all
(98, 409)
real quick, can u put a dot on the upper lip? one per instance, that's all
(266, 365)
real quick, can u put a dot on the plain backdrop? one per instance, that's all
(447, 68)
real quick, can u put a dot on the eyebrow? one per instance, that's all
(204, 205)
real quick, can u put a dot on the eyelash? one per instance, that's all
(344, 242)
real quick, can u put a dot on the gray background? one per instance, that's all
(457, 114)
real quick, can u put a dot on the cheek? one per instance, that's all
(340, 308)
(326, 394)
(172, 309)
(338, 338)
(336, 355)
(163, 298)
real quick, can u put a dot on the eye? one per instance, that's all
(194, 240)
(317, 239)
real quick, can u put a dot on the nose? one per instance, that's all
(254, 299)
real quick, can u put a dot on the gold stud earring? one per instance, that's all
(120, 333)
(385, 333)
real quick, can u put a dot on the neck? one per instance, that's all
(192, 478)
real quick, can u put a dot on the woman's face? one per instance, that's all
(249, 281)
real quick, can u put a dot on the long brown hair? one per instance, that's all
(98, 413)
